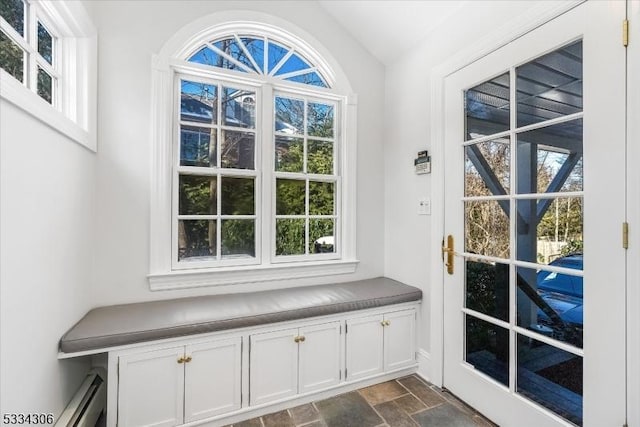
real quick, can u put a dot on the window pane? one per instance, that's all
(487, 348)
(231, 47)
(196, 240)
(13, 12)
(290, 237)
(197, 146)
(238, 238)
(487, 108)
(551, 304)
(550, 86)
(321, 236)
(45, 85)
(487, 171)
(238, 196)
(256, 49)
(289, 115)
(276, 53)
(487, 288)
(290, 197)
(557, 153)
(550, 228)
(294, 63)
(312, 79)
(197, 195)
(550, 377)
(289, 154)
(239, 108)
(11, 57)
(321, 196)
(487, 228)
(198, 102)
(320, 120)
(45, 43)
(320, 157)
(238, 150)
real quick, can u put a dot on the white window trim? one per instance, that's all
(165, 66)
(74, 112)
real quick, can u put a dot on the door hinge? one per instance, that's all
(346, 328)
(625, 235)
(625, 33)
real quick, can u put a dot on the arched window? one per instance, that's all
(259, 160)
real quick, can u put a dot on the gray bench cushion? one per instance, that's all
(118, 325)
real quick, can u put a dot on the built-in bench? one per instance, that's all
(120, 325)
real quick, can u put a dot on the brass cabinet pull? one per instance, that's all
(188, 359)
(302, 338)
(383, 323)
(296, 339)
(387, 322)
(181, 360)
(299, 338)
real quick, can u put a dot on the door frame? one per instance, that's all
(537, 16)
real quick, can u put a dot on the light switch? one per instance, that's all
(424, 206)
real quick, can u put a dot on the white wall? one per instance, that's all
(129, 33)
(46, 260)
(408, 237)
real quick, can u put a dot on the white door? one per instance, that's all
(535, 202)
(213, 378)
(151, 388)
(365, 348)
(319, 356)
(399, 339)
(273, 364)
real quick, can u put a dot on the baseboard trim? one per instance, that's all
(424, 366)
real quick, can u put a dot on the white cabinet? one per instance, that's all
(291, 361)
(182, 384)
(380, 343)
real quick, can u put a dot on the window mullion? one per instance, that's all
(266, 148)
(31, 31)
(219, 175)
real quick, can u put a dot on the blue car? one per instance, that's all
(564, 294)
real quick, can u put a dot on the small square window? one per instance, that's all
(13, 12)
(45, 86)
(45, 43)
(11, 57)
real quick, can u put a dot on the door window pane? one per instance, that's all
(487, 288)
(550, 86)
(487, 228)
(550, 159)
(550, 377)
(487, 348)
(196, 240)
(487, 168)
(549, 228)
(487, 108)
(551, 304)
(11, 57)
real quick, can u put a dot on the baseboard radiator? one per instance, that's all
(88, 403)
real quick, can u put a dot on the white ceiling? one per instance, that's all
(389, 28)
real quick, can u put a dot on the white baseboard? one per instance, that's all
(424, 366)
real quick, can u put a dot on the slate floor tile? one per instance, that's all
(348, 410)
(421, 391)
(410, 404)
(445, 415)
(278, 419)
(382, 392)
(394, 415)
(304, 414)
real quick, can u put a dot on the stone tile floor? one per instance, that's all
(405, 402)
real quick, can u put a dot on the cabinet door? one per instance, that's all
(399, 339)
(273, 364)
(319, 356)
(212, 383)
(151, 388)
(364, 346)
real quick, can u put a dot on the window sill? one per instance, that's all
(16, 93)
(250, 274)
